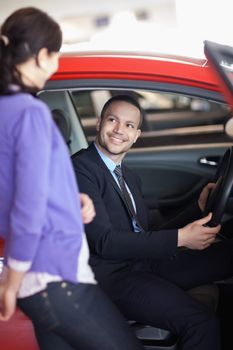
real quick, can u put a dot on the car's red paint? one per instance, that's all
(1, 247)
(18, 333)
(170, 70)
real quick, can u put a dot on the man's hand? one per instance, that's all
(87, 208)
(204, 195)
(196, 235)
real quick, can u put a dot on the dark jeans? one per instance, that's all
(70, 316)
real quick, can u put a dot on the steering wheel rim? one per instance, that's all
(218, 197)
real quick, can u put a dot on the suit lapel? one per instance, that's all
(140, 207)
(108, 174)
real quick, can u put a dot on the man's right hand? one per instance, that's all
(197, 236)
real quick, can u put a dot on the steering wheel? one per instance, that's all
(218, 197)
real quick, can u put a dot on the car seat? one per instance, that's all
(63, 123)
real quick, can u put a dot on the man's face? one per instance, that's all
(118, 129)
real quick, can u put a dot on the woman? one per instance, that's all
(46, 254)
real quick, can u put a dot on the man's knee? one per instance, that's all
(202, 332)
(205, 326)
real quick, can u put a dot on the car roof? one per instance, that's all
(136, 66)
(125, 53)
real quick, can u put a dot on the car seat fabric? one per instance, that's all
(63, 123)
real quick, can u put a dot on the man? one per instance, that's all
(144, 271)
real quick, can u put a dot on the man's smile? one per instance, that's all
(116, 139)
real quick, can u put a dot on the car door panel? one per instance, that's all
(172, 178)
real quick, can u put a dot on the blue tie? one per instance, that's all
(126, 196)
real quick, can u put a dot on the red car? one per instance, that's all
(186, 131)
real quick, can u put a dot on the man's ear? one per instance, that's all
(98, 123)
(137, 135)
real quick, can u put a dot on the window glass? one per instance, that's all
(170, 119)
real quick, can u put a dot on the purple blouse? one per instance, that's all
(40, 216)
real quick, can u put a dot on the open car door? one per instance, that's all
(220, 58)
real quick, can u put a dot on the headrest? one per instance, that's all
(63, 123)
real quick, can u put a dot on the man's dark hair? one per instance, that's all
(123, 98)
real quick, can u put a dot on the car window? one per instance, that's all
(169, 119)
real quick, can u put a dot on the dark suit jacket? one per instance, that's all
(116, 250)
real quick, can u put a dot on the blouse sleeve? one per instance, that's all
(32, 158)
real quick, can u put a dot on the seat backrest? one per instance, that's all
(62, 120)
(60, 99)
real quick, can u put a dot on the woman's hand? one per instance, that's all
(87, 208)
(7, 302)
(9, 286)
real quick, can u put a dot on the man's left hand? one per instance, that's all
(204, 195)
(87, 208)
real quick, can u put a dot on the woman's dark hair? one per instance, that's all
(22, 35)
(123, 98)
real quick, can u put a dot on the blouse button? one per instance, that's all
(64, 285)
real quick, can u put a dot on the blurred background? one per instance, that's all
(164, 26)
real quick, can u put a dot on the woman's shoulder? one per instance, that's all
(25, 109)
(22, 101)
(20, 105)
(30, 101)
(24, 104)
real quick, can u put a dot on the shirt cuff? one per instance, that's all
(18, 265)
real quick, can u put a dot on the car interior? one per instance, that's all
(172, 173)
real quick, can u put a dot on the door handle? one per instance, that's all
(211, 161)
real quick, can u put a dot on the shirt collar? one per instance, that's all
(107, 161)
